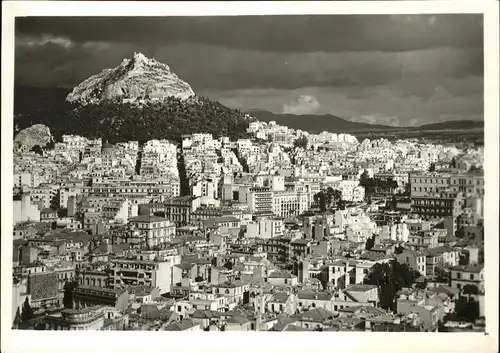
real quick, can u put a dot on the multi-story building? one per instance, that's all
(30, 179)
(24, 210)
(158, 230)
(133, 190)
(469, 184)
(423, 239)
(423, 184)
(438, 205)
(443, 256)
(265, 228)
(146, 272)
(414, 259)
(289, 203)
(205, 212)
(85, 296)
(278, 249)
(258, 199)
(75, 320)
(235, 291)
(177, 210)
(462, 276)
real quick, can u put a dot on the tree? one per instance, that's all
(441, 274)
(407, 191)
(368, 183)
(301, 142)
(460, 233)
(370, 242)
(390, 278)
(27, 311)
(321, 199)
(334, 196)
(398, 250)
(37, 149)
(68, 294)
(325, 199)
(467, 309)
(17, 319)
(394, 203)
(453, 163)
(470, 289)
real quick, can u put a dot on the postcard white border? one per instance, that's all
(53, 341)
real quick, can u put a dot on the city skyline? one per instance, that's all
(382, 69)
(231, 168)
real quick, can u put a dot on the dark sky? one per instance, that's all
(389, 69)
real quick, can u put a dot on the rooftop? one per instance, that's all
(281, 274)
(360, 287)
(473, 269)
(180, 325)
(280, 297)
(317, 314)
(147, 219)
(311, 295)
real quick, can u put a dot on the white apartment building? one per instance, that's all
(289, 203)
(146, 272)
(158, 230)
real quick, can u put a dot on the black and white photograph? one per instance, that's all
(251, 173)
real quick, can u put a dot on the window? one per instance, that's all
(459, 275)
(472, 276)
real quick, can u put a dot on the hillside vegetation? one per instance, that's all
(115, 122)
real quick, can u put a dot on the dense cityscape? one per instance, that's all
(317, 173)
(282, 231)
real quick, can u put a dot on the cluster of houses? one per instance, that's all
(219, 235)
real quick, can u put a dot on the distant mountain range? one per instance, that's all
(319, 123)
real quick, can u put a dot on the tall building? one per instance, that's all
(258, 199)
(24, 210)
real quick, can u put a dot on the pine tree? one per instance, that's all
(17, 319)
(27, 311)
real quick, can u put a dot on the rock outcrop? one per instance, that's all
(138, 79)
(35, 135)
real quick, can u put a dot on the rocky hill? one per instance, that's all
(35, 135)
(140, 100)
(134, 80)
